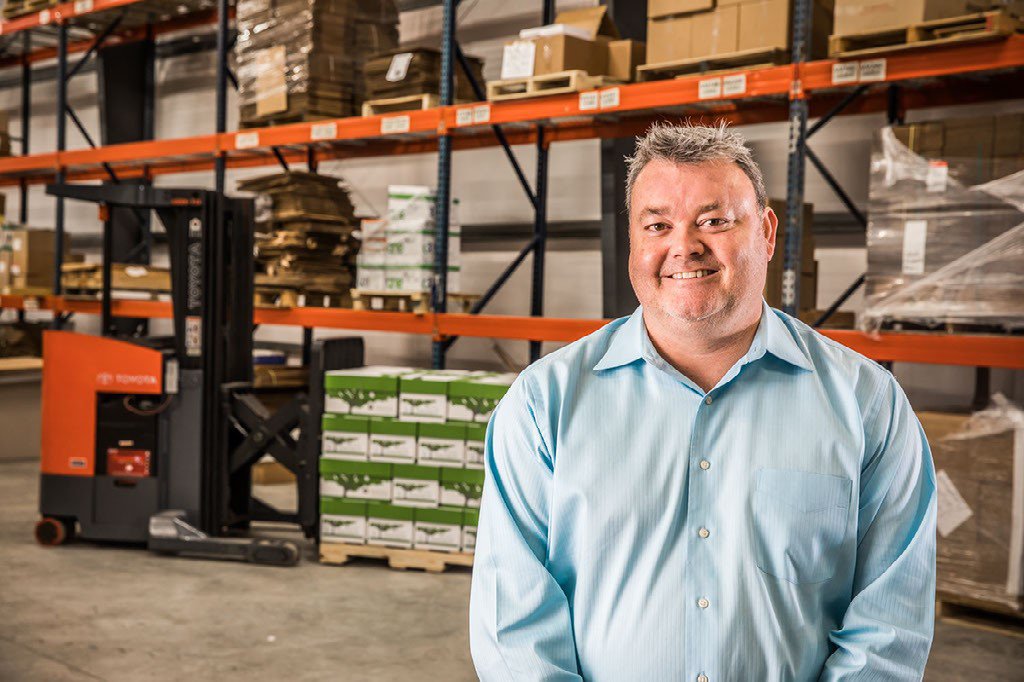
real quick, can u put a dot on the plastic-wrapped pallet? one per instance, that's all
(979, 464)
(945, 239)
(303, 59)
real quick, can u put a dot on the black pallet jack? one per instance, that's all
(152, 439)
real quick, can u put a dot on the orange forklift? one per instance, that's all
(152, 440)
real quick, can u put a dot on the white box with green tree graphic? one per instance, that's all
(345, 437)
(416, 247)
(392, 441)
(342, 520)
(410, 207)
(470, 519)
(363, 391)
(442, 445)
(462, 487)
(474, 399)
(355, 480)
(475, 435)
(415, 486)
(438, 529)
(423, 397)
(389, 525)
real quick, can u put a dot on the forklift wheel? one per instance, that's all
(51, 532)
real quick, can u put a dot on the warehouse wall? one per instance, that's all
(490, 194)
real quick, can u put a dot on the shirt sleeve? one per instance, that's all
(887, 630)
(520, 626)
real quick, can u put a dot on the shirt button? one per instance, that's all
(707, 400)
(703, 603)
(703, 532)
(705, 465)
(702, 678)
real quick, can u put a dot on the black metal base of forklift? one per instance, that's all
(171, 533)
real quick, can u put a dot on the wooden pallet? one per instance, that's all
(17, 9)
(939, 32)
(287, 297)
(286, 119)
(549, 84)
(970, 613)
(407, 301)
(759, 58)
(340, 553)
(390, 105)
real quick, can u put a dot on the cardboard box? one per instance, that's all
(415, 486)
(410, 207)
(417, 278)
(438, 529)
(363, 391)
(1008, 136)
(345, 437)
(716, 32)
(27, 258)
(342, 521)
(392, 441)
(355, 480)
(473, 399)
(371, 277)
(553, 54)
(470, 521)
(423, 397)
(864, 16)
(476, 434)
(389, 526)
(669, 39)
(765, 24)
(623, 58)
(666, 8)
(441, 445)
(462, 487)
(924, 139)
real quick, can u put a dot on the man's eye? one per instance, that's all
(656, 227)
(715, 222)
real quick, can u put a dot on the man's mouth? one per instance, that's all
(692, 274)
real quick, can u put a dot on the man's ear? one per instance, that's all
(769, 227)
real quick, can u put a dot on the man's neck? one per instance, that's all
(702, 352)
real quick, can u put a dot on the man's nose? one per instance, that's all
(687, 242)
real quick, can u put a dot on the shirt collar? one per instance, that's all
(630, 341)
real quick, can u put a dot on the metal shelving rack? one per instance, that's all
(792, 92)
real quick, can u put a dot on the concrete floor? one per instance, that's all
(88, 612)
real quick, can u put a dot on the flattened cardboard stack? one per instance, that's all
(398, 73)
(402, 459)
(303, 59)
(304, 237)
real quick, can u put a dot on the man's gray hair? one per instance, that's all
(693, 144)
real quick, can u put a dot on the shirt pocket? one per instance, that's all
(800, 521)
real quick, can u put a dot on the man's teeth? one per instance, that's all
(692, 275)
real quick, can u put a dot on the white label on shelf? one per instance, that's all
(610, 98)
(844, 72)
(953, 510)
(589, 100)
(937, 177)
(915, 234)
(247, 140)
(399, 67)
(788, 287)
(734, 85)
(482, 113)
(83, 6)
(709, 88)
(394, 124)
(376, 303)
(31, 304)
(464, 117)
(193, 336)
(517, 59)
(323, 131)
(44, 17)
(872, 70)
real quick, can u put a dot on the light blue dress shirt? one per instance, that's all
(778, 527)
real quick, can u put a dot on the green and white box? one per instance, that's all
(342, 521)
(417, 278)
(438, 529)
(470, 519)
(475, 436)
(355, 480)
(345, 437)
(389, 525)
(462, 487)
(416, 486)
(412, 248)
(474, 399)
(410, 207)
(363, 391)
(441, 445)
(392, 441)
(423, 397)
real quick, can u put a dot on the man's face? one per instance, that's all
(699, 243)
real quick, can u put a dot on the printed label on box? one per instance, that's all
(734, 85)
(709, 88)
(953, 510)
(517, 59)
(915, 234)
(399, 67)
(937, 177)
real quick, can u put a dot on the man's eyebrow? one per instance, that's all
(654, 210)
(707, 208)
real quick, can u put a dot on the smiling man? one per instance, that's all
(708, 489)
